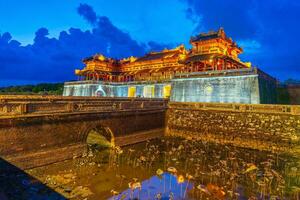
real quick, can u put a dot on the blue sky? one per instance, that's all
(158, 21)
(44, 41)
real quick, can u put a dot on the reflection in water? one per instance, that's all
(217, 172)
(15, 184)
(165, 186)
(173, 168)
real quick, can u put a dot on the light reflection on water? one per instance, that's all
(164, 187)
(219, 172)
(207, 171)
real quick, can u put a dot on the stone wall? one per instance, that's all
(264, 127)
(222, 89)
(35, 105)
(251, 86)
(33, 130)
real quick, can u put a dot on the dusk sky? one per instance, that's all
(45, 41)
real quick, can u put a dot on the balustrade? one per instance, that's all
(235, 107)
(35, 105)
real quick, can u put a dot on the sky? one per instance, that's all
(45, 41)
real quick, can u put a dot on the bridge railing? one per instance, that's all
(235, 107)
(31, 105)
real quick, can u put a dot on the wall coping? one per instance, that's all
(24, 98)
(25, 106)
(236, 107)
(38, 104)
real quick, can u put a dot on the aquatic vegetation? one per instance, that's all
(133, 186)
(114, 193)
(202, 190)
(122, 179)
(159, 172)
(189, 178)
(180, 180)
(174, 168)
(222, 172)
(250, 168)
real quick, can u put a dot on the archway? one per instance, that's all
(100, 138)
(100, 92)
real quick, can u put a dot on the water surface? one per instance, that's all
(174, 168)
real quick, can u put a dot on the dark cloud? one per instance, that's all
(54, 59)
(87, 12)
(118, 43)
(266, 29)
(154, 46)
(234, 16)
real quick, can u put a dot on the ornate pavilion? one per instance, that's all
(206, 72)
(211, 51)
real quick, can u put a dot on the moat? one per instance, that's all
(165, 168)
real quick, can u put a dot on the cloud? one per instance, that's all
(250, 46)
(54, 59)
(234, 16)
(87, 12)
(266, 29)
(155, 46)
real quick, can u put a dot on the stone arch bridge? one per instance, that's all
(38, 130)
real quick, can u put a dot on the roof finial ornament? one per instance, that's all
(221, 32)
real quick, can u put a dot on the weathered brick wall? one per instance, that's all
(38, 131)
(42, 138)
(264, 127)
(22, 135)
(32, 136)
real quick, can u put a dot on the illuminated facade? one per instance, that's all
(213, 57)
